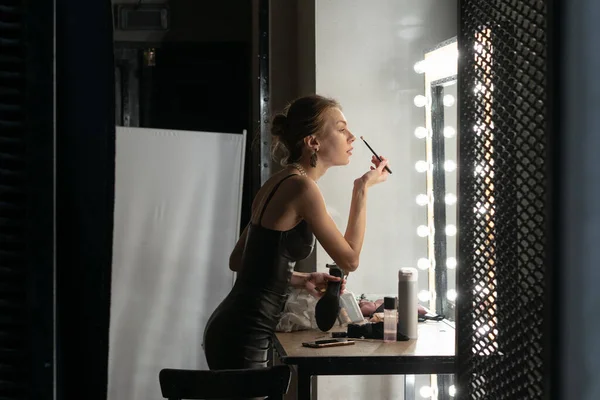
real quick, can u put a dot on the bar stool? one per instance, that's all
(179, 384)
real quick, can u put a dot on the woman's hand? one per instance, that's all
(316, 283)
(377, 174)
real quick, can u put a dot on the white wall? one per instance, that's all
(365, 52)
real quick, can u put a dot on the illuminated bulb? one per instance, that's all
(424, 295)
(421, 132)
(478, 170)
(451, 263)
(422, 199)
(423, 263)
(426, 391)
(421, 166)
(451, 295)
(450, 199)
(448, 100)
(449, 132)
(449, 165)
(452, 390)
(478, 88)
(420, 100)
(450, 230)
(420, 67)
(423, 231)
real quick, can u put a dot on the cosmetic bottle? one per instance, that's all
(390, 319)
(407, 302)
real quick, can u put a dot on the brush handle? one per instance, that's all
(379, 158)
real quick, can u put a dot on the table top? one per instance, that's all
(435, 341)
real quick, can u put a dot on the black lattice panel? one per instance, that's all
(502, 71)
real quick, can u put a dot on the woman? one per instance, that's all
(287, 211)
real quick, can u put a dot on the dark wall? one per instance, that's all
(202, 79)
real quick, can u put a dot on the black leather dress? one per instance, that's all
(239, 332)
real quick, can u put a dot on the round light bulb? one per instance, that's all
(420, 67)
(450, 199)
(423, 231)
(449, 132)
(422, 199)
(424, 295)
(452, 390)
(450, 230)
(423, 263)
(421, 132)
(426, 391)
(451, 263)
(448, 100)
(451, 295)
(420, 100)
(421, 166)
(449, 165)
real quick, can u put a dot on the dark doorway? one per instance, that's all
(197, 86)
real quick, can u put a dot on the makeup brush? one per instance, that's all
(375, 154)
(328, 306)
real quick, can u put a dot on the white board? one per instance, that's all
(177, 216)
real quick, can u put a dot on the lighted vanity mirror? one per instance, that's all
(440, 133)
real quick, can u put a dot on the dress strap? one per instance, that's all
(271, 196)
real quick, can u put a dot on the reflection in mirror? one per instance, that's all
(439, 67)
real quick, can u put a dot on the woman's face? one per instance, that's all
(336, 140)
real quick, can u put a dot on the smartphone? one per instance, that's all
(328, 343)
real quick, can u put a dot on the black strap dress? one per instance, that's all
(239, 332)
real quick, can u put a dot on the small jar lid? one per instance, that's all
(408, 274)
(389, 303)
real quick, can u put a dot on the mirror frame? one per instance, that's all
(440, 70)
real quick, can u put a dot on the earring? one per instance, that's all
(313, 159)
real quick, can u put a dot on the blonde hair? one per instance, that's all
(301, 118)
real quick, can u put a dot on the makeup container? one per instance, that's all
(390, 319)
(407, 302)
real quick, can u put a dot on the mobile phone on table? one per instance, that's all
(328, 343)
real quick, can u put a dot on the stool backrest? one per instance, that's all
(179, 384)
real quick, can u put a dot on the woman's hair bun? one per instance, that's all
(279, 125)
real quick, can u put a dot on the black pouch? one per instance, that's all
(371, 330)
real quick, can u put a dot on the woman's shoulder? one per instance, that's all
(290, 183)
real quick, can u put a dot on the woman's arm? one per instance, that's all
(343, 249)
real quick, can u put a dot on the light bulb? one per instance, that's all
(422, 199)
(421, 132)
(451, 295)
(423, 263)
(451, 263)
(450, 199)
(448, 100)
(426, 391)
(421, 166)
(452, 390)
(449, 132)
(423, 231)
(449, 165)
(450, 230)
(424, 295)
(420, 67)
(420, 100)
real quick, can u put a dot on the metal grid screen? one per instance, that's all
(502, 85)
